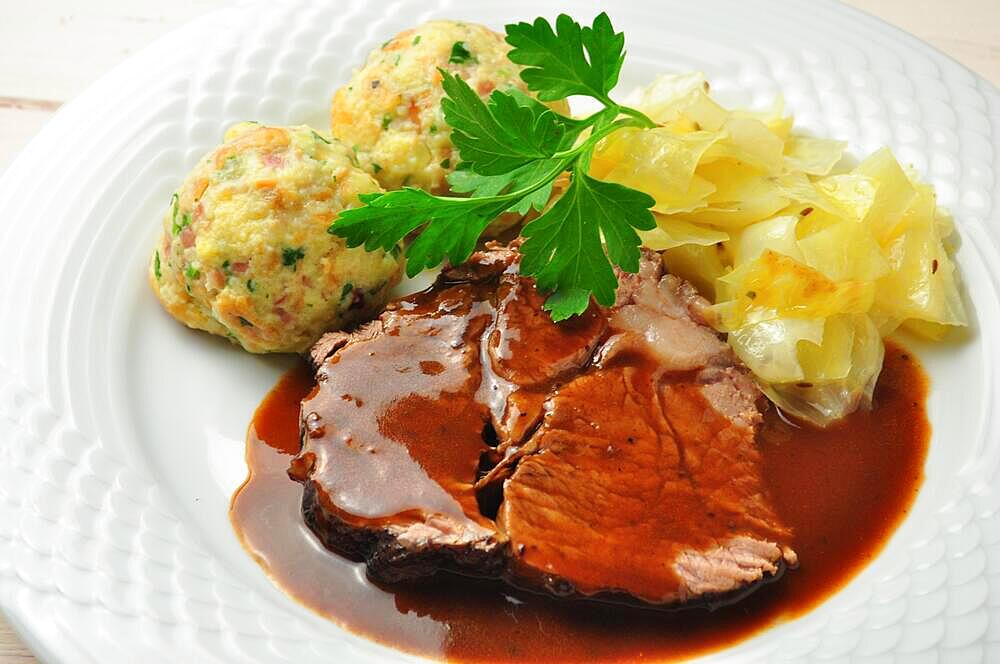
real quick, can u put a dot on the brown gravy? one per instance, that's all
(842, 490)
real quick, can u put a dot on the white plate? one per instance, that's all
(123, 432)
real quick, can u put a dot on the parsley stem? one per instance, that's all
(600, 132)
(513, 142)
(646, 123)
(561, 161)
(603, 124)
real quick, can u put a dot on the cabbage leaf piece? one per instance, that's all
(817, 370)
(742, 195)
(776, 286)
(673, 232)
(657, 162)
(702, 265)
(922, 284)
(748, 141)
(777, 234)
(681, 102)
(815, 156)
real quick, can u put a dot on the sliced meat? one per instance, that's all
(611, 456)
(392, 439)
(526, 355)
(325, 347)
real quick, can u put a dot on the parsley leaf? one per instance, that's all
(465, 181)
(292, 255)
(450, 226)
(564, 249)
(460, 55)
(182, 224)
(513, 148)
(557, 65)
(499, 136)
(174, 210)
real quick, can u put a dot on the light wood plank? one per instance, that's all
(18, 124)
(55, 49)
(967, 30)
(12, 651)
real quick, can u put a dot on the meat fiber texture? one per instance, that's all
(611, 456)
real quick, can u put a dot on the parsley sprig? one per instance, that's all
(513, 148)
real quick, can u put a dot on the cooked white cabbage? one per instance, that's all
(807, 264)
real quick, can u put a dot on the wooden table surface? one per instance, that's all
(51, 51)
